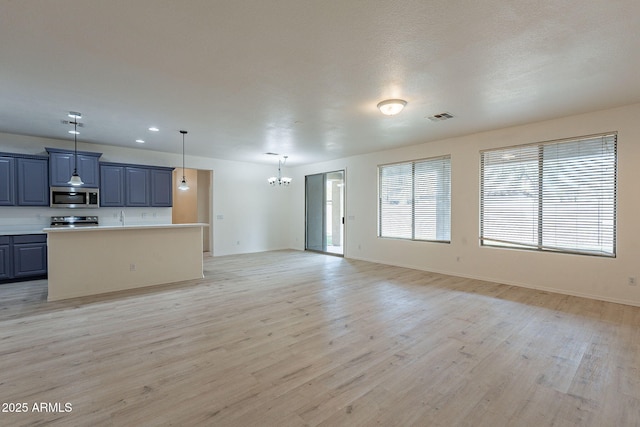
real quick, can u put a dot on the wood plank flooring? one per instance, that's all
(292, 338)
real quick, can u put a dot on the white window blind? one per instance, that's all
(415, 200)
(556, 196)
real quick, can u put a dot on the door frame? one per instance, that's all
(324, 222)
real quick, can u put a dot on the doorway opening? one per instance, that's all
(324, 195)
(194, 205)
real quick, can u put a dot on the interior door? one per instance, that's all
(325, 212)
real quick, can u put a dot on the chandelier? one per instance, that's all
(280, 180)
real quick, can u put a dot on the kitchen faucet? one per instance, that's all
(122, 217)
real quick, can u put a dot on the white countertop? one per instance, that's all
(120, 227)
(19, 231)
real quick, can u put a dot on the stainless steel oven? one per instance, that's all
(73, 221)
(70, 197)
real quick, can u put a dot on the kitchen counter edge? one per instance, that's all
(120, 227)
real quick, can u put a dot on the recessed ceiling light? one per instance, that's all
(140, 141)
(74, 115)
(154, 129)
(74, 132)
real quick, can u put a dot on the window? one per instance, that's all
(415, 200)
(554, 196)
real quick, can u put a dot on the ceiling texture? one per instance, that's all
(302, 77)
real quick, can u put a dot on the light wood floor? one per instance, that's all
(292, 338)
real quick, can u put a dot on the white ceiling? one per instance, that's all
(303, 77)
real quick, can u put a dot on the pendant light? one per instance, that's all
(75, 178)
(183, 184)
(280, 180)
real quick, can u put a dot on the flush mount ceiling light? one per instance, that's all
(391, 107)
(183, 184)
(280, 180)
(75, 179)
(154, 129)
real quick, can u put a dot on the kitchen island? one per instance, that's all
(95, 260)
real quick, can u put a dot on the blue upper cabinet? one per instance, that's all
(138, 186)
(60, 168)
(7, 181)
(63, 162)
(24, 180)
(135, 185)
(89, 170)
(161, 187)
(112, 185)
(33, 181)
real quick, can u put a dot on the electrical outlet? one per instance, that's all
(632, 281)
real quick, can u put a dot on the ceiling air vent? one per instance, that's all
(440, 117)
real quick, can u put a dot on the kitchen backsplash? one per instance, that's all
(30, 219)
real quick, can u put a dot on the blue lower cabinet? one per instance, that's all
(5, 257)
(23, 256)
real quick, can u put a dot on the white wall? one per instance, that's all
(250, 209)
(250, 216)
(596, 277)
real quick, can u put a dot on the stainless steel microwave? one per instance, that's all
(71, 197)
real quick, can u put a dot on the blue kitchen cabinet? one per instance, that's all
(7, 181)
(29, 255)
(89, 170)
(130, 185)
(62, 163)
(112, 185)
(5, 257)
(33, 181)
(23, 256)
(161, 187)
(60, 168)
(138, 186)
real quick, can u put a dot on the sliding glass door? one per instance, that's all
(325, 212)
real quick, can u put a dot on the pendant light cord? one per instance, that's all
(183, 133)
(75, 146)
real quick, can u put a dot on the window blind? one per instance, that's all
(415, 200)
(556, 196)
